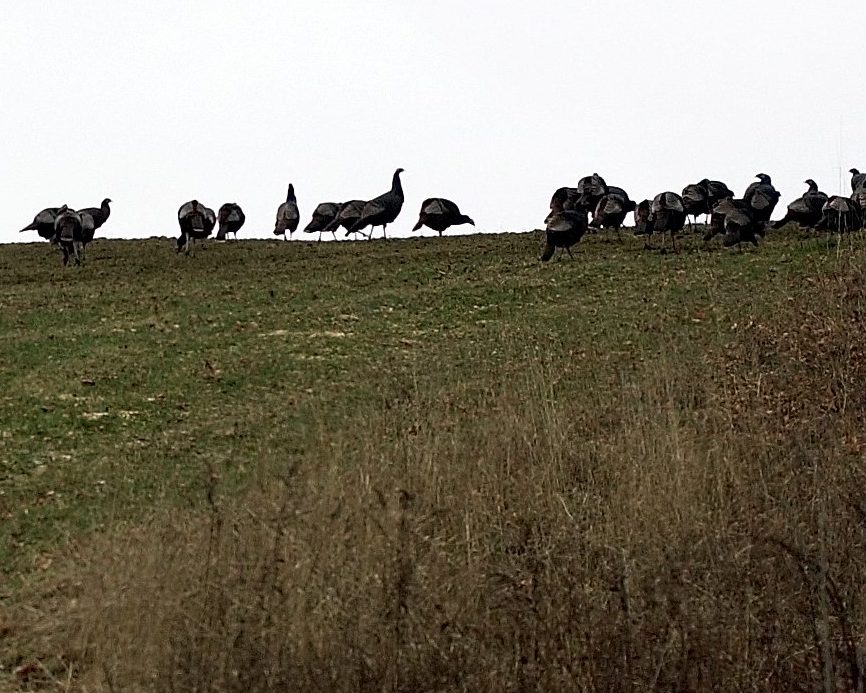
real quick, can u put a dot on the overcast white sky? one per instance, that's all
(493, 104)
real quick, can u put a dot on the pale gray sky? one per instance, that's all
(493, 104)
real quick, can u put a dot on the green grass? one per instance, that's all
(126, 383)
(433, 464)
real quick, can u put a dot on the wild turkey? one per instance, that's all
(762, 197)
(611, 210)
(565, 228)
(347, 216)
(840, 215)
(642, 214)
(736, 219)
(590, 190)
(806, 210)
(92, 218)
(857, 179)
(69, 230)
(696, 200)
(323, 215)
(98, 214)
(567, 197)
(196, 223)
(43, 223)
(231, 218)
(667, 214)
(717, 191)
(288, 216)
(439, 214)
(382, 210)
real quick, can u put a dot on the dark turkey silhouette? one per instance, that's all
(92, 218)
(43, 223)
(806, 210)
(196, 223)
(323, 215)
(717, 191)
(590, 190)
(642, 214)
(762, 197)
(857, 179)
(714, 192)
(696, 200)
(567, 197)
(69, 231)
(439, 214)
(667, 214)
(736, 219)
(288, 216)
(840, 215)
(611, 210)
(98, 214)
(347, 216)
(565, 228)
(382, 210)
(230, 218)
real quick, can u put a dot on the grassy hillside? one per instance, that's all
(432, 465)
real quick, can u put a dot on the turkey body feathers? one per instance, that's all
(382, 210)
(440, 214)
(288, 216)
(564, 229)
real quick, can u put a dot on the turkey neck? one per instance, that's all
(397, 186)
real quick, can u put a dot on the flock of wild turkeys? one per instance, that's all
(739, 220)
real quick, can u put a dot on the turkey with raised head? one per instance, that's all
(762, 197)
(92, 218)
(230, 219)
(196, 223)
(382, 210)
(565, 228)
(439, 214)
(288, 216)
(807, 209)
(43, 223)
(858, 180)
(323, 215)
(98, 214)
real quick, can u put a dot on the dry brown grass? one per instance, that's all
(697, 524)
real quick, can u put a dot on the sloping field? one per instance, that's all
(433, 464)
